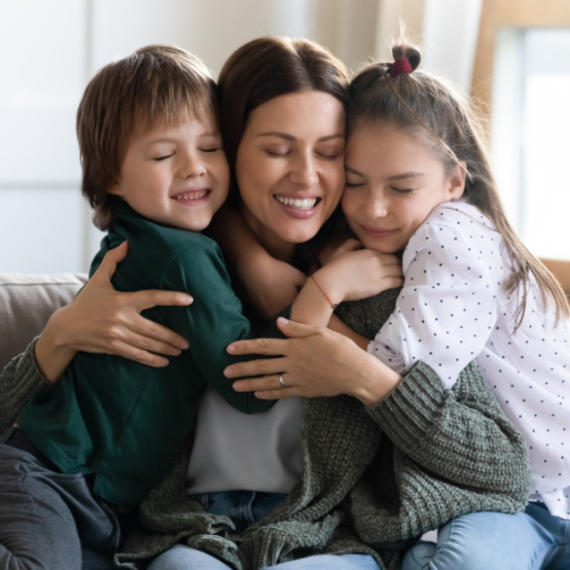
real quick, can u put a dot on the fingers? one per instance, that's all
(293, 329)
(154, 297)
(112, 258)
(139, 355)
(261, 367)
(265, 346)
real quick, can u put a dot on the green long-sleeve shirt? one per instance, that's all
(125, 422)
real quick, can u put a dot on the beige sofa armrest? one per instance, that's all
(26, 303)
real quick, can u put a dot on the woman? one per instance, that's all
(335, 477)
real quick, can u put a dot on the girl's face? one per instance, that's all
(393, 182)
(290, 168)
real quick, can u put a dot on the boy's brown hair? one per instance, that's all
(157, 84)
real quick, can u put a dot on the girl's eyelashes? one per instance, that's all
(212, 149)
(354, 184)
(163, 157)
(403, 190)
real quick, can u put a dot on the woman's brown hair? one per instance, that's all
(268, 67)
(417, 101)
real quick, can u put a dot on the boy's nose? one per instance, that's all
(192, 167)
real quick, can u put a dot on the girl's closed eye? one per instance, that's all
(402, 190)
(163, 157)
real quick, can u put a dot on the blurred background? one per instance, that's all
(511, 56)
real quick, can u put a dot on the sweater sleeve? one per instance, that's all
(461, 435)
(20, 380)
(214, 320)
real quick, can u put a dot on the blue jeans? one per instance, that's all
(181, 557)
(245, 508)
(532, 540)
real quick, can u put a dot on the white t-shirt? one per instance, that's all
(234, 451)
(454, 308)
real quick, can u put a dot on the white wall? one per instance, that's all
(50, 48)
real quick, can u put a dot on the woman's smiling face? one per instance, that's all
(290, 168)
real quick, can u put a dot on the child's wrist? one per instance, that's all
(327, 285)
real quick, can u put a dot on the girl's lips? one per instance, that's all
(377, 233)
(300, 208)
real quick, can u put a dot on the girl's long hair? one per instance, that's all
(417, 101)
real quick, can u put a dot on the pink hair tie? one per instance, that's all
(400, 66)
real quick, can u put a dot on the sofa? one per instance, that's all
(26, 303)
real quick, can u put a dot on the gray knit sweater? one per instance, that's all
(374, 479)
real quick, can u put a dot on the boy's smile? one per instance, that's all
(175, 175)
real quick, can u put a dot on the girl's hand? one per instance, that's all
(313, 362)
(102, 320)
(353, 273)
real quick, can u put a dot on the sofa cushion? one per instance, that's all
(26, 303)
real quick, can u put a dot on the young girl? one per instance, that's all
(419, 181)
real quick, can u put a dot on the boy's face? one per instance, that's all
(177, 176)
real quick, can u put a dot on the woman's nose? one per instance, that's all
(303, 171)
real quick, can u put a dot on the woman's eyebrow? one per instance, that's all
(289, 137)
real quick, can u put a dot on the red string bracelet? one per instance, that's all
(333, 305)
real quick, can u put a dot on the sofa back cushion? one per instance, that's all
(26, 303)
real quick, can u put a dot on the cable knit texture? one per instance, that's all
(374, 479)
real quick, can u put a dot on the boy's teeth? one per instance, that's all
(302, 204)
(191, 196)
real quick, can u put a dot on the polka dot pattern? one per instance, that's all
(453, 308)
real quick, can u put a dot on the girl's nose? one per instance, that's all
(303, 171)
(377, 207)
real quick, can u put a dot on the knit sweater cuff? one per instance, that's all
(20, 381)
(409, 411)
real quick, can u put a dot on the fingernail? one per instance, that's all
(228, 372)
(282, 320)
(231, 348)
(188, 299)
(184, 344)
(237, 386)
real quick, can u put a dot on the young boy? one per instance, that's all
(155, 173)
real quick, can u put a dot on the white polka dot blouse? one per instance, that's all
(454, 307)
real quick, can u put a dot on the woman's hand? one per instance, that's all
(313, 362)
(102, 320)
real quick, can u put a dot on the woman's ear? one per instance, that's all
(457, 180)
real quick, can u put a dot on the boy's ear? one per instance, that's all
(457, 180)
(115, 188)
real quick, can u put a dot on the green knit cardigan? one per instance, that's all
(374, 478)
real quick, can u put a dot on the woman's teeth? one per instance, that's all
(302, 204)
